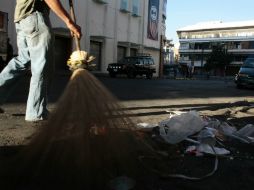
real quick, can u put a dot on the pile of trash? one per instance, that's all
(201, 135)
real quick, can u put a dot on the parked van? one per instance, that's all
(245, 76)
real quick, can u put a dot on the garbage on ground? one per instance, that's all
(206, 141)
(205, 148)
(178, 127)
(145, 126)
(207, 136)
(198, 150)
(247, 133)
(203, 135)
(193, 151)
(122, 183)
(226, 129)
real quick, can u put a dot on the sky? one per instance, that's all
(181, 13)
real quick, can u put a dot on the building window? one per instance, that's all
(1, 21)
(135, 7)
(184, 46)
(133, 51)
(121, 52)
(124, 6)
(96, 50)
(101, 1)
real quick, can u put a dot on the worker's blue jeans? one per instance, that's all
(35, 51)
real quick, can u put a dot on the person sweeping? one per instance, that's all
(35, 49)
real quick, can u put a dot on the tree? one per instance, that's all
(219, 58)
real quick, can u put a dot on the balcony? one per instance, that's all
(217, 39)
(197, 51)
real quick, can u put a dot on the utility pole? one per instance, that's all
(162, 38)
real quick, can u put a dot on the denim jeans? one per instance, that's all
(35, 49)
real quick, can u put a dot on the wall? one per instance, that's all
(8, 7)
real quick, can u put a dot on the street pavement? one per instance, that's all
(151, 101)
(148, 100)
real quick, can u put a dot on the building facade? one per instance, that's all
(196, 42)
(3, 35)
(111, 29)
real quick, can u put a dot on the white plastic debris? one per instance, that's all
(179, 127)
(212, 123)
(146, 125)
(206, 144)
(247, 133)
(226, 129)
(206, 148)
(193, 150)
(207, 136)
(174, 113)
(247, 130)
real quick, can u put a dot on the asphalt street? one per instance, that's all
(152, 101)
(149, 101)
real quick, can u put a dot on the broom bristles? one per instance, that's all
(87, 141)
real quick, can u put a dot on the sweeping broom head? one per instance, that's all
(80, 59)
(87, 142)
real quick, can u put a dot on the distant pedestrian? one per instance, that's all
(190, 68)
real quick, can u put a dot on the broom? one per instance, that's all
(89, 142)
(79, 59)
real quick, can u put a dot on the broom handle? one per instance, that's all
(77, 42)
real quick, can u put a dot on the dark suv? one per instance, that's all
(245, 76)
(133, 66)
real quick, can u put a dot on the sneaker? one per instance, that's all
(40, 119)
(1, 110)
(35, 120)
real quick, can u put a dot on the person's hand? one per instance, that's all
(75, 29)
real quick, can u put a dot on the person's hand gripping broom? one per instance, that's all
(78, 59)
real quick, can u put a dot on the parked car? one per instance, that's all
(245, 76)
(142, 64)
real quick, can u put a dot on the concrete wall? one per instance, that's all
(8, 7)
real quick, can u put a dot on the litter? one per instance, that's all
(183, 126)
(247, 133)
(207, 136)
(206, 144)
(226, 129)
(146, 126)
(212, 122)
(122, 183)
(193, 151)
(179, 127)
(206, 148)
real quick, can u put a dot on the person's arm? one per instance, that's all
(57, 8)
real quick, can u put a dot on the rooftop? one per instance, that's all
(217, 25)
